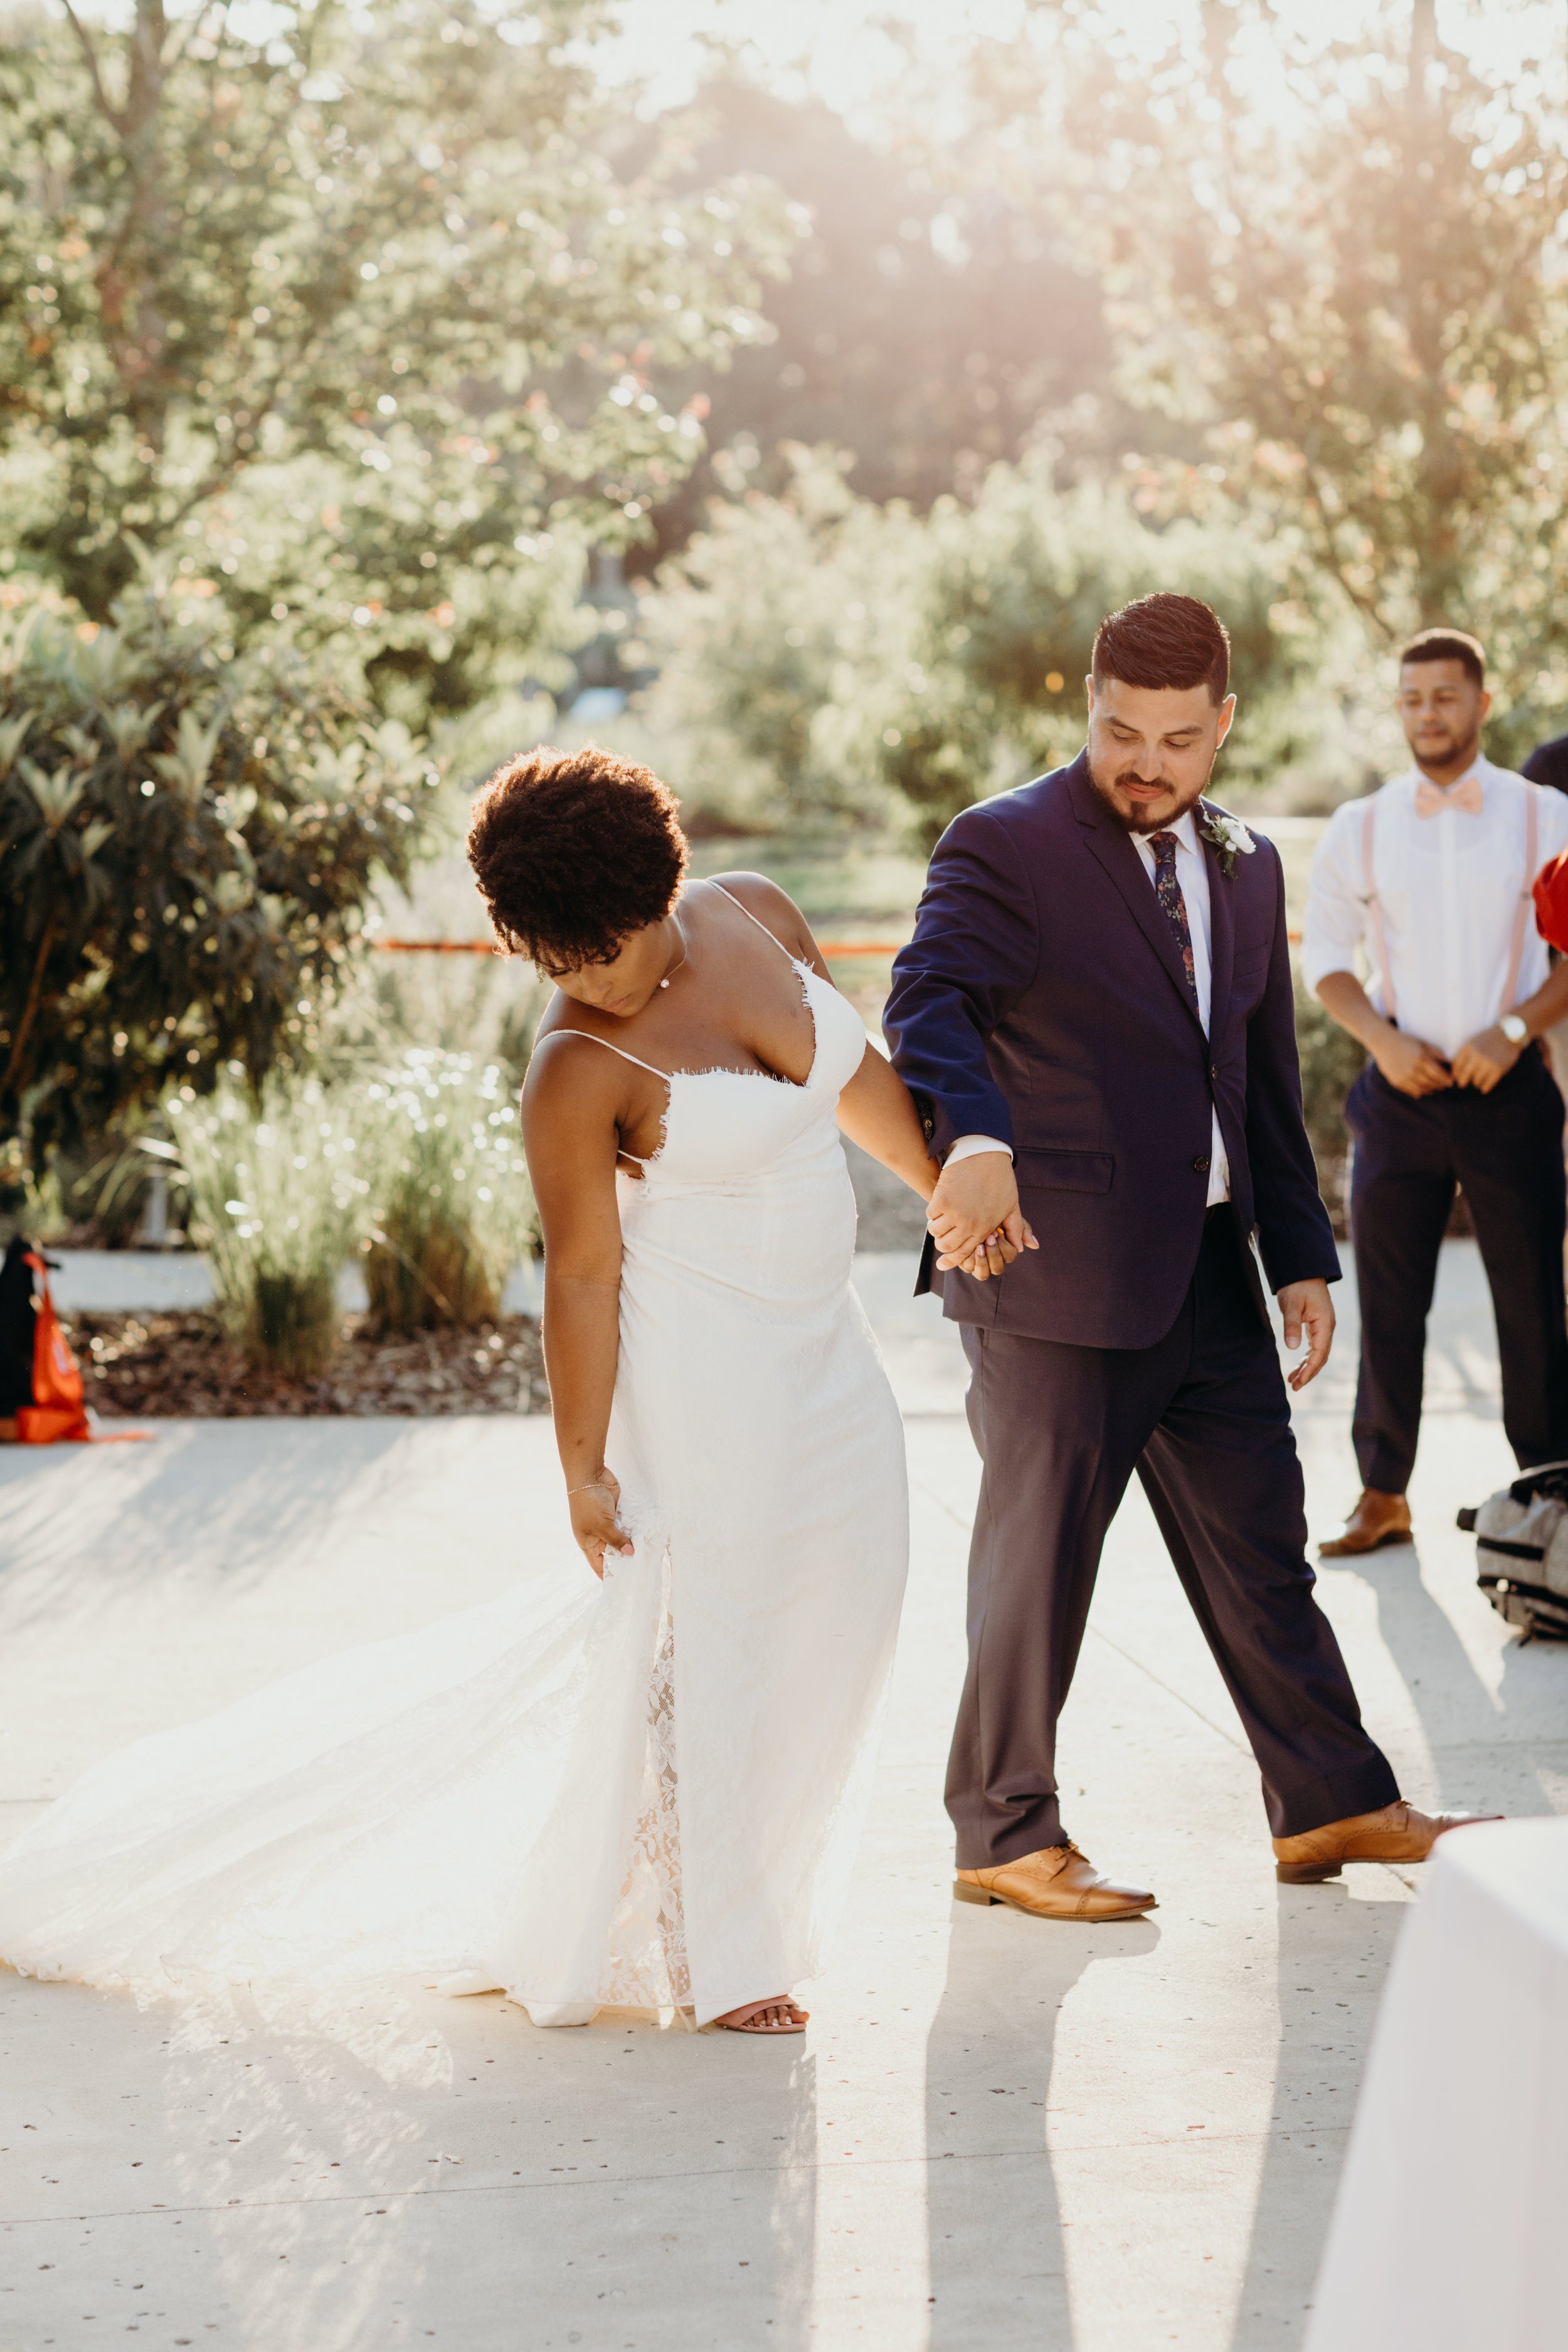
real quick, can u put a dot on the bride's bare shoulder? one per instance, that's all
(772, 907)
(569, 1067)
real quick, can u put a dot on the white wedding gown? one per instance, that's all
(652, 1796)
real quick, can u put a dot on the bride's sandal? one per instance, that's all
(757, 2017)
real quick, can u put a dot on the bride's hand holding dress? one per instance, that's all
(595, 1522)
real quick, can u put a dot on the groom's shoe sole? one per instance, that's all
(982, 1895)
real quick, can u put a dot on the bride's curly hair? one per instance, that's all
(573, 851)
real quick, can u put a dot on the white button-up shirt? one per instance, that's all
(1192, 874)
(1448, 890)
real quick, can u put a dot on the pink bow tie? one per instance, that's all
(1431, 800)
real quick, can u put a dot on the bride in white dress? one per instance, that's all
(649, 1795)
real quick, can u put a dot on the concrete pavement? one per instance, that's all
(136, 1282)
(997, 2133)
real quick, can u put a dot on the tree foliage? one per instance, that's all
(757, 629)
(934, 317)
(989, 686)
(356, 312)
(1348, 296)
(326, 347)
(824, 655)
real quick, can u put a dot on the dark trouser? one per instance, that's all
(1201, 1417)
(1506, 1149)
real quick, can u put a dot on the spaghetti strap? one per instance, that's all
(757, 920)
(588, 1033)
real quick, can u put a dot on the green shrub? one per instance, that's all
(759, 630)
(824, 656)
(189, 838)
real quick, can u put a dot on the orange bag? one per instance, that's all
(58, 1409)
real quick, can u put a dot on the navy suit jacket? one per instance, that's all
(1042, 1001)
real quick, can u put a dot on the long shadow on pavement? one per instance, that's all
(1483, 1746)
(1333, 1949)
(997, 2255)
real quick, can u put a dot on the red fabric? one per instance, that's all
(58, 1409)
(1551, 902)
(47, 1424)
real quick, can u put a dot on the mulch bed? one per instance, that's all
(180, 1367)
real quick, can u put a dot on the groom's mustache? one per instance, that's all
(1136, 818)
(1130, 777)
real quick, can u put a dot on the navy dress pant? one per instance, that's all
(1506, 1149)
(1202, 1418)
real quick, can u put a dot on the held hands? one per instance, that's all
(975, 1215)
(596, 1521)
(1307, 1307)
(1481, 1061)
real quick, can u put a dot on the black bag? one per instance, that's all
(1521, 1550)
(16, 1329)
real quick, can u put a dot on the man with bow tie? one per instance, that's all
(1431, 877)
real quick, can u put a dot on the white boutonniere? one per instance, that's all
(1229, 836)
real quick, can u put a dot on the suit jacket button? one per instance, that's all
(1201, 1167)
(1213, 1069)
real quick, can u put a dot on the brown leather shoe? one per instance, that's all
(1377, 1519)
(1397, 1834)
(1058, 1882)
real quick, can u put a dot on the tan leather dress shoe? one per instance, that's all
(1377, 1519)
(1397, 1834)
(1058, 1882)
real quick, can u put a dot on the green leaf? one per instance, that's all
(56, 794)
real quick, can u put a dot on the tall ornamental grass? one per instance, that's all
(280, 1197)
(416, 1164)
(454, 1212)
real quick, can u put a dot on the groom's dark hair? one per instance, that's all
(1164, 641)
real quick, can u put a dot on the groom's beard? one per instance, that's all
(1137, 819)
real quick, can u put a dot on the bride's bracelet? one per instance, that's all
(587, 1489)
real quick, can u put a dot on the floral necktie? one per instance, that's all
(1168, 890)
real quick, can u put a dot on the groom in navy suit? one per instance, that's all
(1096, 1015)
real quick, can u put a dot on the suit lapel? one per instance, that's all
(1222, 934)
(1107, 841)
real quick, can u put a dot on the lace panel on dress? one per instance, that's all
(646, 1965)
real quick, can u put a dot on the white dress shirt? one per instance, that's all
(1449, 890)
(1192, 874)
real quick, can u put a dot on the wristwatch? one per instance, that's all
(1515, 1028)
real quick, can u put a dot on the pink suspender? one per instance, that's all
(1521, 912)
(1373, 911)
